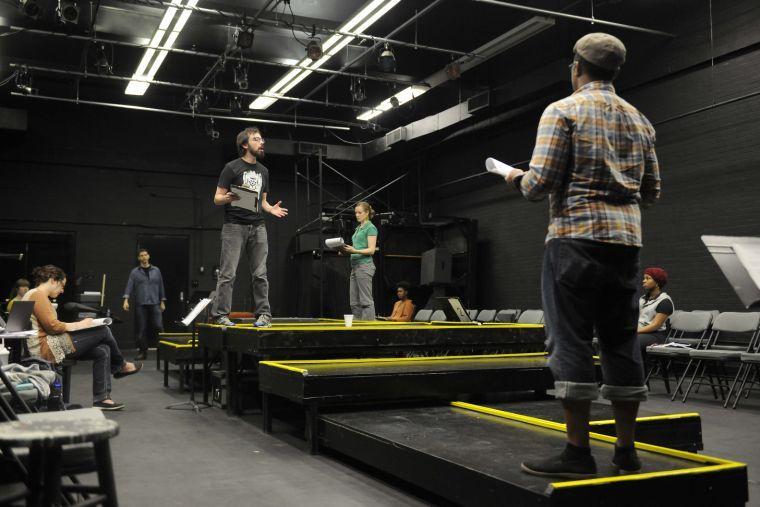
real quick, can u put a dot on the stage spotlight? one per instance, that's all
(454, 71)
(31, 8)
(314, 49)
(236, 105)
(101, 60)
(211, 130)
(387, 60)
(24, 82)
(68, 11)
(244, 36)
(198, 103)
(240, 76)
(358, 90)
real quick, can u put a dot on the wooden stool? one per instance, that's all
(45, 437)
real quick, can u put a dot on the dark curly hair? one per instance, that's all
(45, 273)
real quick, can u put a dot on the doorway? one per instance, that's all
(170, 254)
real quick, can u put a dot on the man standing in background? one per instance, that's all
(147, 286)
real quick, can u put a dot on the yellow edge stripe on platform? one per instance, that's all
(175, 334)
(275, 364)
(391, 327)
(714, 464)
(663, 417)
(176, 345)
(402, 359)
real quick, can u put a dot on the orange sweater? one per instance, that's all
(52, 342)
(403, 311)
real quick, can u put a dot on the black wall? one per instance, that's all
(709, 158)
(107, 176)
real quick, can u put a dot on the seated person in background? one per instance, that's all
(56, 340)
(20, 288)
(403, 309)
(655, 306)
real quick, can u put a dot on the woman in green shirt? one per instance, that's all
(362, 268)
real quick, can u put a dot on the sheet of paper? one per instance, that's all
(496, 167)
(202, 304)
(249, 199)
(106, 321)
(749, 256)
(334, 243)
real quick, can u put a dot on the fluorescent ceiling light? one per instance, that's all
(362, 20)
(485, 52)
(404, 96)
(153, 58)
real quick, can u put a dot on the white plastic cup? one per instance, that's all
(348, 319)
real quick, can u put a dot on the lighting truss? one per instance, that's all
(511, 38)
(358, 23)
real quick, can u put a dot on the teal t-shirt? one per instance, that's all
(360, 242)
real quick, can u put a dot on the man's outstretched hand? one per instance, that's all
(278, 211)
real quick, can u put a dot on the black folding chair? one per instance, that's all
(690, 329)
(732, 333)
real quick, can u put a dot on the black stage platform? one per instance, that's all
(681, 431)
(317, 383)
(365, 339)
(471, 455)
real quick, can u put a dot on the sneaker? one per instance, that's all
(626, 460)
(573, 463)
(141, 355)
(222, 320)
(108, 406)
(264, 320)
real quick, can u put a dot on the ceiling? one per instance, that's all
(455, 25)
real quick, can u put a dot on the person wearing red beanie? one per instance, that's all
(655, 306)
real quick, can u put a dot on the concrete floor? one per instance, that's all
(178, 457)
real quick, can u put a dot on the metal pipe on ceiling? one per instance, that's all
(218, 65)
(179, 113)
(112, 77)
(319, 29)
(592, 20)
(406, 23)
(190, 52)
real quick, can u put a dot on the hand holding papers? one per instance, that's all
(248, 199)
(334, 243)
(506, 171)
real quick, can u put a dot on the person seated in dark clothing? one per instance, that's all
(56, 340)
(655, 306)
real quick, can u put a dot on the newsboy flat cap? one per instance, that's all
(601, 49)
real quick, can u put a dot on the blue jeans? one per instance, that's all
(235, 238)
(98, 344)
(148, 323)
(587, 285)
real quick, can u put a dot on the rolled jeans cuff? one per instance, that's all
(624, 393)
(576, 390)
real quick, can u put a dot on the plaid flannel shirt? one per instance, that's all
(595, 158)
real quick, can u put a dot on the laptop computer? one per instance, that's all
(18, 320)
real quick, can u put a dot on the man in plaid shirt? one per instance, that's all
(594, 157)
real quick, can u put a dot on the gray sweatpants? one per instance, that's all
(362, 304)
(235, 238)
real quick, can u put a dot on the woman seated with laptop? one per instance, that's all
(56, 340)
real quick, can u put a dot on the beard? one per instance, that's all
(259, 154)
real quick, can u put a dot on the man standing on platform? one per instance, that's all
(244, 228)
(147, 286)
(595, 159)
